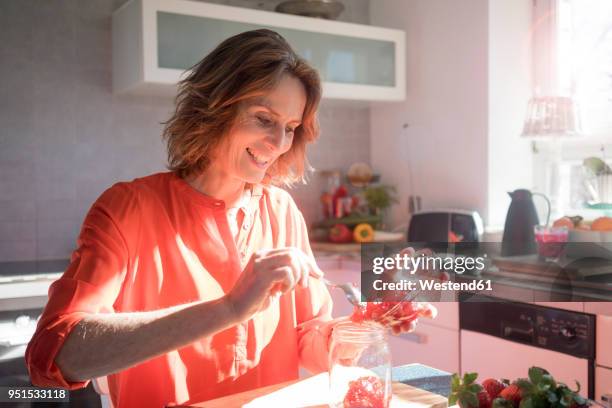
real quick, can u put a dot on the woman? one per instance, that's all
(200, 282)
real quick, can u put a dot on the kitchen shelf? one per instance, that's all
(155, 41)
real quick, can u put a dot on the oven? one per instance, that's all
(502, 339)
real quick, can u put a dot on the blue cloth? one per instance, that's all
(424, 377)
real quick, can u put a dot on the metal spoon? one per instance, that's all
(352, 293)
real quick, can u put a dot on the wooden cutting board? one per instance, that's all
(313, 393)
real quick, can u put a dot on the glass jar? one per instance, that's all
(360, 366)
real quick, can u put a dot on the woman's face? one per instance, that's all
(264, 130)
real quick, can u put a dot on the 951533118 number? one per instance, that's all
(33, 394)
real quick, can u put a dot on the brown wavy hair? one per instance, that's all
(242, 67)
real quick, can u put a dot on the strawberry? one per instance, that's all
(484, 399)
(493, 387)
(512, 393)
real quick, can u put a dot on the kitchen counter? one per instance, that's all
(542, 288)
(24, 285)
(312, 391)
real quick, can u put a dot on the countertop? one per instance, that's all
(24, 285)
(530, 287)
(312, 391)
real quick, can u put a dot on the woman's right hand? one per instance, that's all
(268, 274)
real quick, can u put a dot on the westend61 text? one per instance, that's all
(432, 284)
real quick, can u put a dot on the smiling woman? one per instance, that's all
(186, 285)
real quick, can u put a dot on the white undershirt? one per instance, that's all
(232, 213)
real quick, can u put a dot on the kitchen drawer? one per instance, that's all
(603, 353)
(430, 345)
(598, 308)
(448, 315)
(603, 382)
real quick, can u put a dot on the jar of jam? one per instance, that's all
(360, 366)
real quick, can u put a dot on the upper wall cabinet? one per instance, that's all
(155, 41)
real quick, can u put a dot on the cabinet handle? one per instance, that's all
(415, 337)
(607, 399)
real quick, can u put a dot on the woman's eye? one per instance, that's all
(264, 121)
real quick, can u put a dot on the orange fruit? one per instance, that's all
(602, 224)
(564, 222)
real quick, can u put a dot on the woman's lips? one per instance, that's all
(257, 161)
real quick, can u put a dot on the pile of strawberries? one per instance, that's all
(391, 313)
(540, 390)
(366, 392)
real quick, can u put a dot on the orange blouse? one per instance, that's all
(156, 242)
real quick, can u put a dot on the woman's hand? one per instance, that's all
(269, 274)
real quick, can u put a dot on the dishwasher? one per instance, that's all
(502, 339)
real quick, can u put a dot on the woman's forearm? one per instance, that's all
(102, 344)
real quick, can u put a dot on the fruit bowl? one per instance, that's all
(589, 244)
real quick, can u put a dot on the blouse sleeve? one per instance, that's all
(313, 305)
(90, 284)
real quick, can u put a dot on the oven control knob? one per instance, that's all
(568, 333)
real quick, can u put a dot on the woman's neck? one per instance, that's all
(219, 185)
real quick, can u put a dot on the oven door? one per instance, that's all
(493, 357)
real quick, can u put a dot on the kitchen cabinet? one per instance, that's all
(603, 382)
(430, 345)
(155, 41)
(448, 316)
(603, 353)
(338, 269)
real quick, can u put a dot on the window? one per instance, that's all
(584, 60)
(582, 50)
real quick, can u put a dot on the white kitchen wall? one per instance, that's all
(467, 89)
(64, 137)
(445, 144)
(510, 69)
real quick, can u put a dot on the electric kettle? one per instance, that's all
(522, 217)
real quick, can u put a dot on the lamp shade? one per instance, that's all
(552, 117)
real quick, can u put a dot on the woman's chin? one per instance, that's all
(254, 178)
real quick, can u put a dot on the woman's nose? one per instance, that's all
(278, 140)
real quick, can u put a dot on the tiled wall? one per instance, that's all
(64, 137)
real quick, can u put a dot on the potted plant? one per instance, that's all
(379, 197)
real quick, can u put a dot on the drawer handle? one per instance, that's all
(419, 338)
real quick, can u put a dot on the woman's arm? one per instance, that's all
(105, 343)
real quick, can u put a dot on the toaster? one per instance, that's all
(445, 226)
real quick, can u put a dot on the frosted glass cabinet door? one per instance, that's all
(156, 41)
(182, 40)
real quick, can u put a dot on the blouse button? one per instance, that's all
(241, 352)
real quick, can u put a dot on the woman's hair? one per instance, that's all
(244, 66)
